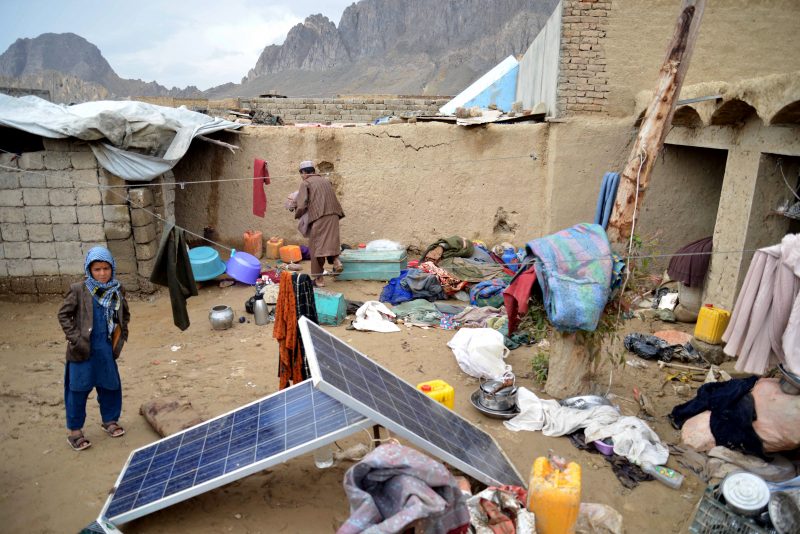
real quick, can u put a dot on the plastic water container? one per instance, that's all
(290, 253)
(510, 259)
(274, 245)
(554, 496)
(254, 243)
(711, 324)
(440, 391)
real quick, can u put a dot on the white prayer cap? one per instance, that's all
(306, 165)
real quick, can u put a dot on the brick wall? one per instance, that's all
(582, 80)
(50, 217)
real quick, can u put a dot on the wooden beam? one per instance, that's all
(656, 123)
(232, 148)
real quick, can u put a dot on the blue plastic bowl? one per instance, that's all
(206, 264)
(244, 267)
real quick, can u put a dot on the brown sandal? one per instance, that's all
(113, 429)
(79, 442)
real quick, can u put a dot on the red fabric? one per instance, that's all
(260, 179)
(516, 297)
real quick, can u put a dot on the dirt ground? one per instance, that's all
(47, 487)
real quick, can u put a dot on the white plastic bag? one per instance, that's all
(384, 244)
(480, 352)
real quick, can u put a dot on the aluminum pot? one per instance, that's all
(499, 395)
(221, 317)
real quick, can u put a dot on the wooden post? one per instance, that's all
(657, 121)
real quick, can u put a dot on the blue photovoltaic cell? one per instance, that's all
(356, 381)
(211, 454)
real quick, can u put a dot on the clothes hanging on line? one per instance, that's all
(173, 269)
(605, 200)
(691, 270)
(260, 180)
(295, 300)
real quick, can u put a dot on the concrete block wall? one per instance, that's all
(343, 109)
(51, 215)
(583, 80)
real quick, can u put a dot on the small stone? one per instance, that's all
(237, 516)
(713, 354)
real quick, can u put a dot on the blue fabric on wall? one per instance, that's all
(605, 201)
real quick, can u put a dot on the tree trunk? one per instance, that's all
(656, 123)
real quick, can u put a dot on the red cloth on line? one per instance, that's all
(260, 179)
(516, 296)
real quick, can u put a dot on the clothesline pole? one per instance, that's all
(656, 123)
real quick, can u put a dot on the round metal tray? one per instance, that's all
(475, 398)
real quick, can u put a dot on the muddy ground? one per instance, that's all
(47, 487)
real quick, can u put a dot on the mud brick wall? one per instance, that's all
(583, 80)
(51, 216)
(343, 109)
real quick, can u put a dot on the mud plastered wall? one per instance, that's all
(411, 183)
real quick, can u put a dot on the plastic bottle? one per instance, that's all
(665, 475)
(510, 259)
(260, 310)
(323, 457)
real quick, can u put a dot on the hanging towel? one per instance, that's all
(517, 295)
(605, 201)
(174, 270)
(260, 179)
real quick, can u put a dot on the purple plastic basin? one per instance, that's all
(243, 267)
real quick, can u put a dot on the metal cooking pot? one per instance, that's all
(499, 395)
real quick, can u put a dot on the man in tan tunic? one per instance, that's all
(317, 199)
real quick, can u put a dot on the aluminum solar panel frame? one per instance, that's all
(238, 443)
(356, 381)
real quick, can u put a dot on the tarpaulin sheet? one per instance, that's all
(133, 140)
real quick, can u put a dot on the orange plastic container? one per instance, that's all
(711, 324)
(274, 245)
(554, 496)
(254, 243)
(440, 391)
(290, 253)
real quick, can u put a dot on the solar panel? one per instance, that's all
(356, 381)
(263, 433)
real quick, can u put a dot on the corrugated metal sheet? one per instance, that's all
(538, 71)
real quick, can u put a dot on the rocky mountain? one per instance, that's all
(73, 69)
(390, 46)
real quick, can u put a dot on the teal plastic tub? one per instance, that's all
(331, 307)
(380, 265)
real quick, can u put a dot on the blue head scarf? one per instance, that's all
(108, 294)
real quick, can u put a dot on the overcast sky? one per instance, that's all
(176, 43)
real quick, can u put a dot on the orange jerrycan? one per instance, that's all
(554, 496)
(274, 245)
(253, 243)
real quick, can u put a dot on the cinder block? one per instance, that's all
(115, 194)
(45, 251)
(145, 234)
(57, 161)
(68, 267)
(88, 196)
(12, 215)
(48, 285)
(117, 230)
(66, 232)
(116, 214)
(32, 179)
(146, 251)
(129, 281)
(126, 265)
(36, 197)
(37, 214)
(141, 197)
(26, 285)
(61, 179)
(13, 232)
(146, 267)
(63, 214)
(85, 178)
(3, 273)
(55, 145)
(83, 160)
(67, 279)
(33, 161)
(9, 180)
(69, 250)
(62, 197)
(86, 247)
(2, 251)
(40, 233)
(15, 251)
(141, 217)
(45, 267)
(91, 232)
(146, 286)
(11, 197)
(90, 214)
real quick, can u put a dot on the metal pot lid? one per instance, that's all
(745, 491)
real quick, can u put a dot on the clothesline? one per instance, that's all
(358, 172)
(127, 198)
